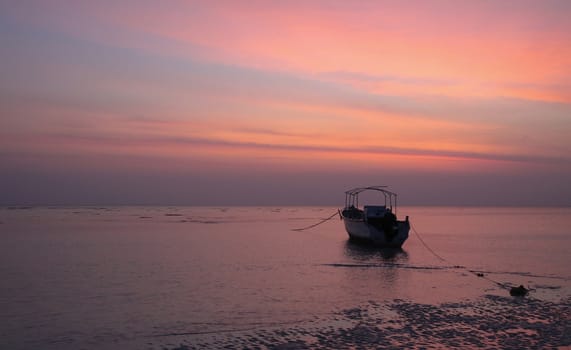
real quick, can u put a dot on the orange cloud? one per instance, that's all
(314, 87)
(485, 54)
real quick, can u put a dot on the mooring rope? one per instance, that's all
(475, 273)
(426, 245)
(319, 223)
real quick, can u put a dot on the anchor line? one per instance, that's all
(426, 245)
(319, 223)
(480, 275)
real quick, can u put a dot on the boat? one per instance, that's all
(377, 224)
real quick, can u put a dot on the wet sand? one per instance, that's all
(489, 322)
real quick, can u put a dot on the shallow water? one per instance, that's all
(168, 277)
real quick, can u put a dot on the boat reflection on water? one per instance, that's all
(368, 253)
(373, 267)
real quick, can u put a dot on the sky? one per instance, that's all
(284, 102)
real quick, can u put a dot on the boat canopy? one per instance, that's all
(352, 197)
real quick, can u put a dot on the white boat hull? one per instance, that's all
(358, 229)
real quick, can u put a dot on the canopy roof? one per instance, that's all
(352, 196)
(357, 190)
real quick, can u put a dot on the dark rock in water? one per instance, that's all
(518, 291)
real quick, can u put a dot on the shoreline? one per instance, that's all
(488, 322)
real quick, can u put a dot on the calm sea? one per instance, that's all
(163, 277)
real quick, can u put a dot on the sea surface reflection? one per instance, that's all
(122, 278)
(363, 252)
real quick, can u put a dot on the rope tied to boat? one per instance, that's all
(317, 224)
(515, 291)
(426, 245)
